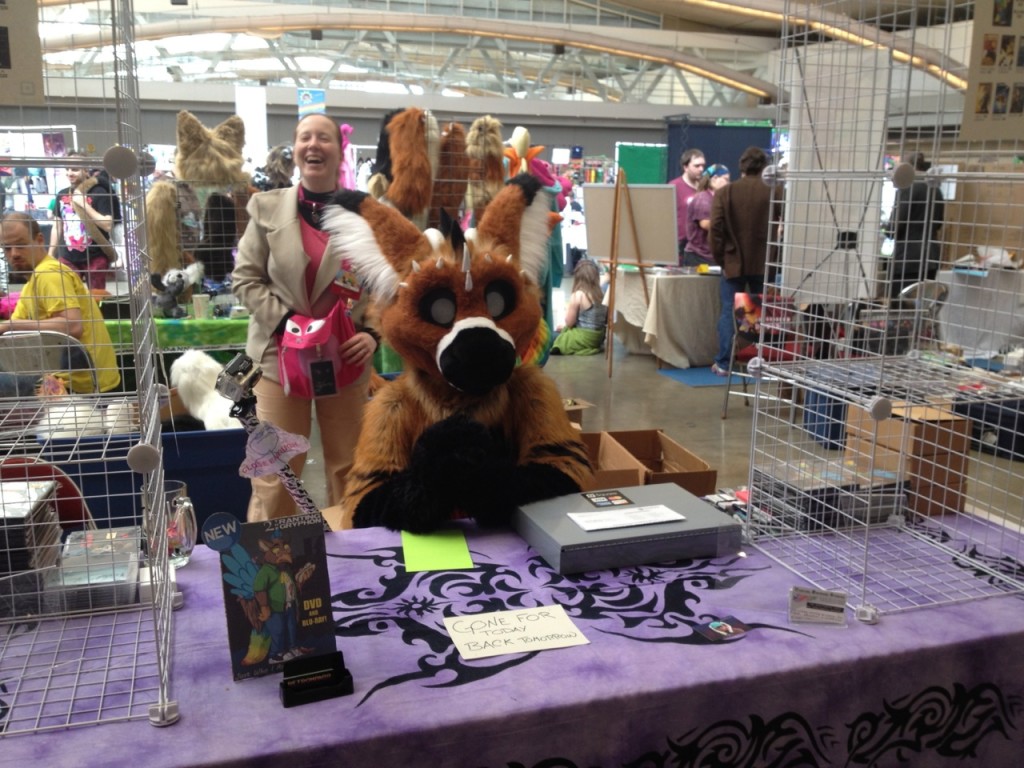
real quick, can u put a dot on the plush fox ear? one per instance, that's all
(377, 240)
(518, 219)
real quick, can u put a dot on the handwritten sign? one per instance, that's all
(529, 629)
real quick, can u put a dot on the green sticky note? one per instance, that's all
(439, 551)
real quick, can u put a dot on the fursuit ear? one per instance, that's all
(376, 239)
(518, 219)
(232, 131)
(190, 133)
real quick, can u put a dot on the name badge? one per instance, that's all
(346, 283)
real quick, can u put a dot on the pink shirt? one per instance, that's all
(314, 243)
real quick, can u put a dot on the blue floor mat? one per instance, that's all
(694, 377)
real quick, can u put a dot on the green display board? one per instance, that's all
(643, 163)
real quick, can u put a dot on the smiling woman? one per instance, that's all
(287, 269)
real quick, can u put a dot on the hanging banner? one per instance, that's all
(994, 101)
(21, 58)
(312, 101)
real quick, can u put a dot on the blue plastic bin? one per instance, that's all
(206, 461)
(825, 418)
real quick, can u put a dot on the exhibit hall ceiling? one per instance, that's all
(672, 52)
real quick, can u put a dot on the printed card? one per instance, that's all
(625, 518)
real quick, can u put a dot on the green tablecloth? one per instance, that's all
(185, 333)
(218, 333)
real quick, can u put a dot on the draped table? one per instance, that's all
(676, 320)
(935, 686)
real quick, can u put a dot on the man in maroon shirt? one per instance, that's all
(691, 166)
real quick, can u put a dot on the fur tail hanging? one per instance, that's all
(452, 174)
(381, 179)
(411, 181)
(484, 147)
(162, 234)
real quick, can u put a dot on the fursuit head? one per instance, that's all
(466, 430)
(194, 375)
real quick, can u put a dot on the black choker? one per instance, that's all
(312, 205)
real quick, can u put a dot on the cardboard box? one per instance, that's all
(943, 468)
(574, 409)
(613, 465)
(332, 515)
(935, 500)
(666, 461)
(920, 430)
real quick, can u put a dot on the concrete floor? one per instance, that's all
(636, 397)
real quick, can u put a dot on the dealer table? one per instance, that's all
(676, 320)
(936, 686)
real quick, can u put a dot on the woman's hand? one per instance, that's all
(358, 350)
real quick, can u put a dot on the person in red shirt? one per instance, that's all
(691, 166)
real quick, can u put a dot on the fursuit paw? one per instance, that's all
(449, 449)
(402, 504)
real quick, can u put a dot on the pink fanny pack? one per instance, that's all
(308, 360)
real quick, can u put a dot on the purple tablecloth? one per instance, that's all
(922, 688)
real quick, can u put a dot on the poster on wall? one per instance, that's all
(994, 102)
(21, 58)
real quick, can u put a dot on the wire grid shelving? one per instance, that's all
(894, 474)
(70, 654)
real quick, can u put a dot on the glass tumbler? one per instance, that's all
(180, 519)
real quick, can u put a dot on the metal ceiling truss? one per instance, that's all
(478, 56)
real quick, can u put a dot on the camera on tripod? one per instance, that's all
(238, 378)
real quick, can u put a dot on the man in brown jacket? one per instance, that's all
(740, 216)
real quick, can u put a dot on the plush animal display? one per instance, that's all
(175, 286)
(194, 375)
(278, 171)
(463, 431)
(207, 161)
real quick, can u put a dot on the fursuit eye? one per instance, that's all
(438, 307)
(500, 297)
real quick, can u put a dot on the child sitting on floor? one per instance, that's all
(586, 318)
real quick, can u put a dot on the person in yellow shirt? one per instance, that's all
(55, 299)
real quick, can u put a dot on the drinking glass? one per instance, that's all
(180, 519)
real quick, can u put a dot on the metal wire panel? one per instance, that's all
(78, 643)
(897, 477)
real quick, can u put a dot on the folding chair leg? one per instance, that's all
(728, 380)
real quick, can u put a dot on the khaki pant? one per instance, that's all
(339, 418)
